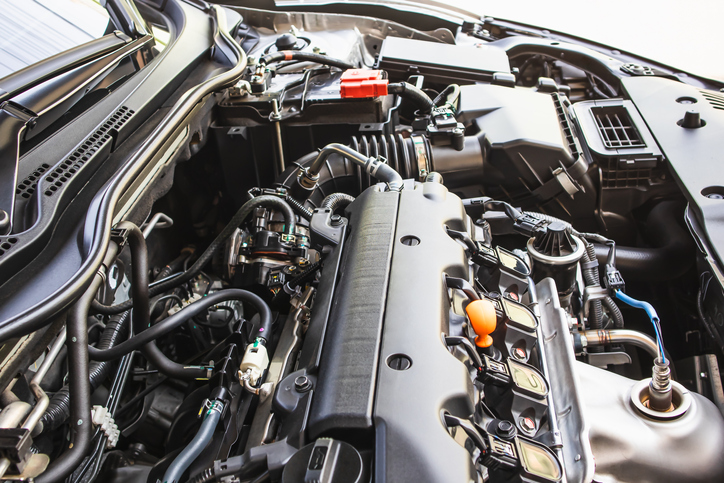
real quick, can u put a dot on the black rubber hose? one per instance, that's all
(192, 451)
(373, 166)
(141, 315)
(175, 320)
(245, 210)
(413, 94)
(306, 57)
(336, 201)
(142, 312)
(80, 389)
(244, 466)
(59, 406)
(176, 264)
(450, 95)
(299, 208)
(671, 260)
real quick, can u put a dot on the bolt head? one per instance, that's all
(302, 384)
(527, 424)
(505, 426)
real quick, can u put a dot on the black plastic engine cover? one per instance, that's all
(386, 377)
(412, 444)
(343, 398)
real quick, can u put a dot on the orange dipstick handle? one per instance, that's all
(483, 319)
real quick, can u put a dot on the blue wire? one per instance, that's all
(653, 316)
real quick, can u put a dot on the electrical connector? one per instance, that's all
(255, 361)
(613, 281)
(530, 226)
(101, 418)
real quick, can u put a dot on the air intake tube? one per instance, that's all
(412, 157)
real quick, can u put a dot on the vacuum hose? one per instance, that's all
(670, 260)
(220, 240)
(196, 446)
(59, 407)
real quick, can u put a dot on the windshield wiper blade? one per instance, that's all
(35, 74)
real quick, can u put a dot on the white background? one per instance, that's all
(687, 34)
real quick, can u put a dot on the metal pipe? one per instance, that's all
(276, 116)
(159, 220)
(622, 336)
(15, 412)
(10, 417)
(42, 399)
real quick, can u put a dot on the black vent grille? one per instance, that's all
(614, 177)
(565, 125)
(616, 128)
(65, 170)
(27, 187)
(716, 100)
(6, 244)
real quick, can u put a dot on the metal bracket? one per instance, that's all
(591, 293)
(603, 359)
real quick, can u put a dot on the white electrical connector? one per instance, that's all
(102, 418)
(255, 361)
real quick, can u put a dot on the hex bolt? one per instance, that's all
(527, 424)
(519, 353)
(505, 429)
(302, 384)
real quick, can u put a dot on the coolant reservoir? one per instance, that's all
(630, 446)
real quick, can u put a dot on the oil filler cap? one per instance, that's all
(484, 319)
(324, 461)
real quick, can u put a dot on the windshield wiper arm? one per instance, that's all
(127, 17)
(35, 74)
(17, 118)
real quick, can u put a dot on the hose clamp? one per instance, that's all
(307, 180)
(423, 164)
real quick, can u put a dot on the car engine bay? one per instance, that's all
(390, 254)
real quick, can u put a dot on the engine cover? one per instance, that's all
(386, 376)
